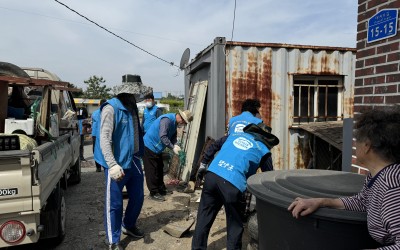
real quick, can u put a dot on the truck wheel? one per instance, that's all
(53, 218)
(75, 177)
(61, 217)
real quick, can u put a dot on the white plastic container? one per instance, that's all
(11, 125)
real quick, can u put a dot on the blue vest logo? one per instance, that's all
(242, 143)
(239, 128)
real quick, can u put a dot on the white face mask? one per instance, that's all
(149, 104)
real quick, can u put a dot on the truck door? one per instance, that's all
(75, 139)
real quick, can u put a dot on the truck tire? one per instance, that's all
(54, 218)
(75, 177)
(61, 217)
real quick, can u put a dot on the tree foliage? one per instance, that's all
(74, 93)
(174, 102)
(95, 89)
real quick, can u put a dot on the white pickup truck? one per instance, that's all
(39, 154)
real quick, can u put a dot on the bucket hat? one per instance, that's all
(186, 115)
(135, 88)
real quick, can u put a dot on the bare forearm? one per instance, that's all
(302, 207)
(331, 203)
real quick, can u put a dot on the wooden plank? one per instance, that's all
(31, 81)
(196, 105)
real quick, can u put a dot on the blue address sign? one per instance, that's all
(382, 25)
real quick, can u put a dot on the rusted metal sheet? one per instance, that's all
(288, 46)
(248, 75)
(266, 72)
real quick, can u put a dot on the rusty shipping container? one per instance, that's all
(297, 85)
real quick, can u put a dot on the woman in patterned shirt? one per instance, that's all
(377, 149)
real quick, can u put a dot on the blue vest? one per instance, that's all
(149, 115)
(122, 138)
(152, 139)
(238, 159)
(237, 123)
(96, 122)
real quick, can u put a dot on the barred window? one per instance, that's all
(317, 99)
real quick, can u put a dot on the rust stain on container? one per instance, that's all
(252, 80)
(276, 157)
(298, 156)
(348, 105)
(326, 64)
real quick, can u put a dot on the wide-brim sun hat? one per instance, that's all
(135, 88)
(186, 115)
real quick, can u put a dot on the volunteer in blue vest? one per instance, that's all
(226, 181)
(95, 131)
(250, 109)
(151, 112)
(249, 114)
(161, 134)
(119, 147)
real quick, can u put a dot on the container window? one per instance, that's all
(317, 99)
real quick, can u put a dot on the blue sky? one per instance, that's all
(45, 34)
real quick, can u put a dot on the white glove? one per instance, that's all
(116, 172)
(176, 149)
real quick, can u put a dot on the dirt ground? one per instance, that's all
(85, 230)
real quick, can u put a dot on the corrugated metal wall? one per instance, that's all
(266, 71)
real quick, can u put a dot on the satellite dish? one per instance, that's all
(184, 59)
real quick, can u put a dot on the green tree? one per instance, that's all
(75, 94)
(174, 103)
(95, 89)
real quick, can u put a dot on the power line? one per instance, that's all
(233, 22)
(233, 28)
(126, 31)
(123, 39)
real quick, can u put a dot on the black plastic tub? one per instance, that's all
(326, 228)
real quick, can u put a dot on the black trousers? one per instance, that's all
(153, 168)
(98, 166)
(217, 192)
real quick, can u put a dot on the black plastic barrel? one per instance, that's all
(326, 228)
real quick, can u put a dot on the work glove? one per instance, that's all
(176, 149)
(201, 171)
(116, 172)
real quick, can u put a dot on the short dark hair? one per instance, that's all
(149, 96)
(251, 105)
(382, 129)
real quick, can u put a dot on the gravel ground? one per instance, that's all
(85, 230)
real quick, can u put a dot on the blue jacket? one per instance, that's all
(152, 139)
(238, 159)
(237, 123)
(149, 116)
(122, 138)
(96, 122)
